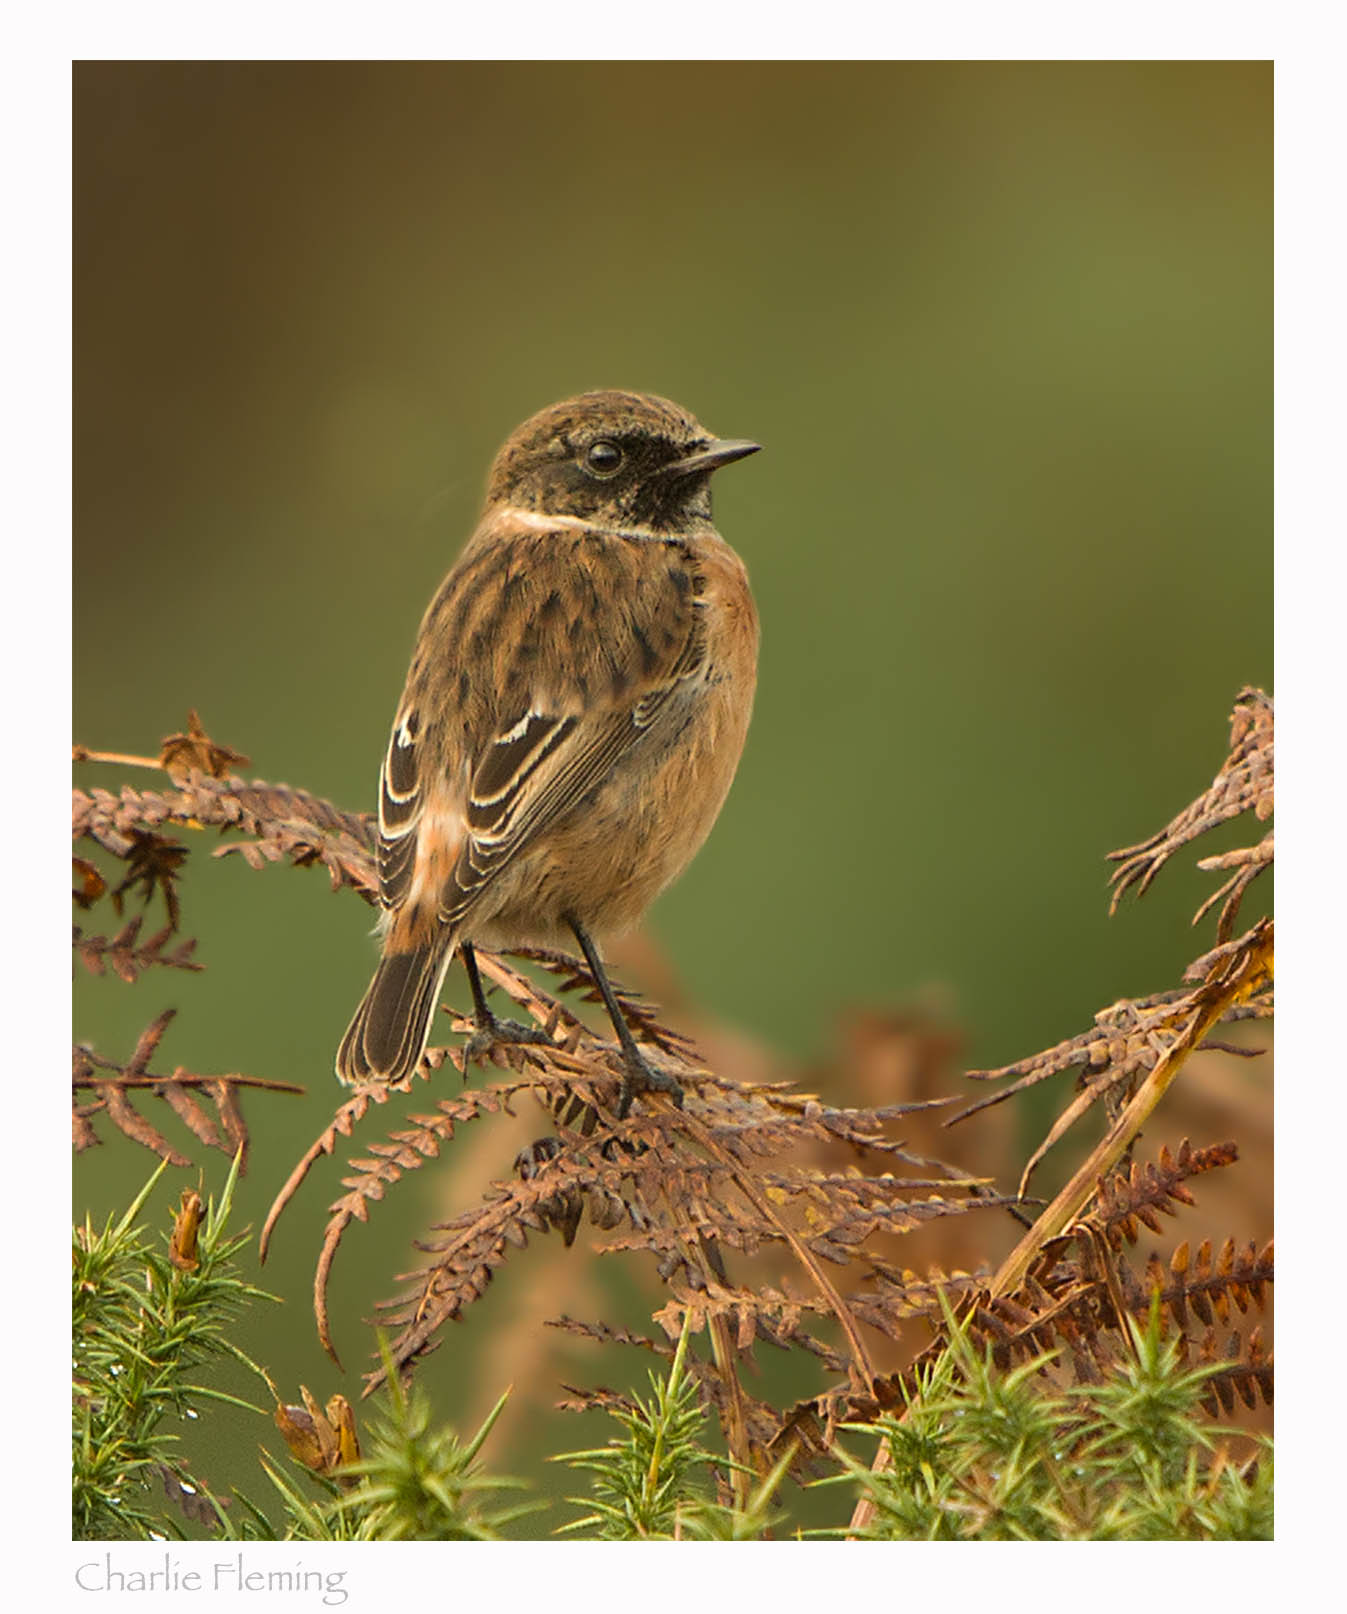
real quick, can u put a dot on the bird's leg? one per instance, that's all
(490, 1029)
(638, 1076)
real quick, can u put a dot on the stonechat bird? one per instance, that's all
(575, 710)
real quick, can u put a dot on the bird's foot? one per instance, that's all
(640, 1076)
(491, 1031)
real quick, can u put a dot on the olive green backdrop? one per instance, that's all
(1005, 330)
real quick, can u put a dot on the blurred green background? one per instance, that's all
(1005, 330)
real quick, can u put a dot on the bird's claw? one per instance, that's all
(494, 1031)
(639, 1076)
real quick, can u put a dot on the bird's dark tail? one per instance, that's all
(388, 1034)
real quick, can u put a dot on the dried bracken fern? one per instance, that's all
(683, 1187)
(1145, 1193)
(769, 1218)
(112, 1085)
(1244, 784)
(1123, 1044)
(1137, 1045)
(128, 957)
(1079, 1302)
(283, 824)
(1210, 1283)
(734, 1174)
(130, 826)
(1076, 1300)
(1129, 1060)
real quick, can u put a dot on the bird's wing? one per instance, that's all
(562, 650)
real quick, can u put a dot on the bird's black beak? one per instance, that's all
(710, 456)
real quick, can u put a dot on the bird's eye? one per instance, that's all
(603, 458)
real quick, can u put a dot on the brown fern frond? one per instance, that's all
(1244, 784)
(1080, 1310)
(768, 1216)
(1077, 1301)
(906, 1294)
(370, 1178)
(1081, 1303)
(783, 1120)
(1244, 1369)
(1120, 1046)
(757, 1130)
(1209, 1284)
(1239, 975)
(283, 824)
(674, 1181)
(1069, 1310)
(1145, 1193)
(304, 830)
(574, 1079)
(153, 863)
(746, 1184)
(343, 1123)
(812, 1422)
(112, 1097)
(474, 1245)
(1043, 1318)
(1257, 1005)
(596, 1398)
(778, 1318)
(1244, 1373)
(1248, 863)
(830, 1227)
(606, 1334)
(1133, 1039)
(128, 957)
(674, 1184)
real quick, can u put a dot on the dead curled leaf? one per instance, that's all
(195, 751)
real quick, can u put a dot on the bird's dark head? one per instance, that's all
(624, 459)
